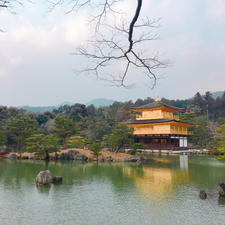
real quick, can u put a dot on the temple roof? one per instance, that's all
(157, 104)
(157, 121)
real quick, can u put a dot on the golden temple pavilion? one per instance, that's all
(157, 127)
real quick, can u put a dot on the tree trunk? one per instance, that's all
(56, 156)
(64, 142)
(46, 155)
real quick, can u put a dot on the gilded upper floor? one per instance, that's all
(156, 110)
(170, 127)
(158, 118)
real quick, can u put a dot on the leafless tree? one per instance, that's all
(118, 47)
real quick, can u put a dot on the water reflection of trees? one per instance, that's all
(206, 172)
(154, 177)
(44, 189)
(14, 173)
(161, 175)
(221, 201)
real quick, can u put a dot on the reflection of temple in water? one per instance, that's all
(183, 162)
(157, 182)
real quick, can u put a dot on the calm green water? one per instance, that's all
(161, 192)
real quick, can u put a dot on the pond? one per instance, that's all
(163, 191)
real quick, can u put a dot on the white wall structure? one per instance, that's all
(181, 142)
(185, 142)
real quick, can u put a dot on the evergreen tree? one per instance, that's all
(202, 134)
(96, 149)
(64, 128)
(221, 147)
(77, 142)
(20, 128)
(121, 136)
(3, 138)
(199, 102)
(42, 144)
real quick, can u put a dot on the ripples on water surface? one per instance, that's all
(161, 192)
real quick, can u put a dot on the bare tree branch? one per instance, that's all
(9, 3)
(110, 52)
(103, 52)
(119, 48)
(134, 20)
(4, 4)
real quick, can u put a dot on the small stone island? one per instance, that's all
(157, 126)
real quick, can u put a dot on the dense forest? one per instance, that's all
(78, 125)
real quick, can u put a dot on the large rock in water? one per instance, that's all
(73, 155)
(221, 189)
(44, 178)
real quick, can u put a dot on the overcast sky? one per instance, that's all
(36, 67)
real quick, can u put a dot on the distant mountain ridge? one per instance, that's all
(217, 94)
(98, 102)
(41, 109)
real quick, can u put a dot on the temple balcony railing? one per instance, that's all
(182, 132)
(176, 117)
(163, 132)
(173, 117)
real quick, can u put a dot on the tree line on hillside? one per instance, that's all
(79, 125)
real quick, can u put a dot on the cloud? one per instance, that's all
(36, 68)
(23, 40)
(70, 30)
(216, 9)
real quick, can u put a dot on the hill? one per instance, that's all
(217, 94)
(40, 109)
(100, 102)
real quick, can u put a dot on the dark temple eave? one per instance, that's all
(156, 104)
(152, 121)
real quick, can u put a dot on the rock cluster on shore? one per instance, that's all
(73, 155)
(81, 155)
(11, 155)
